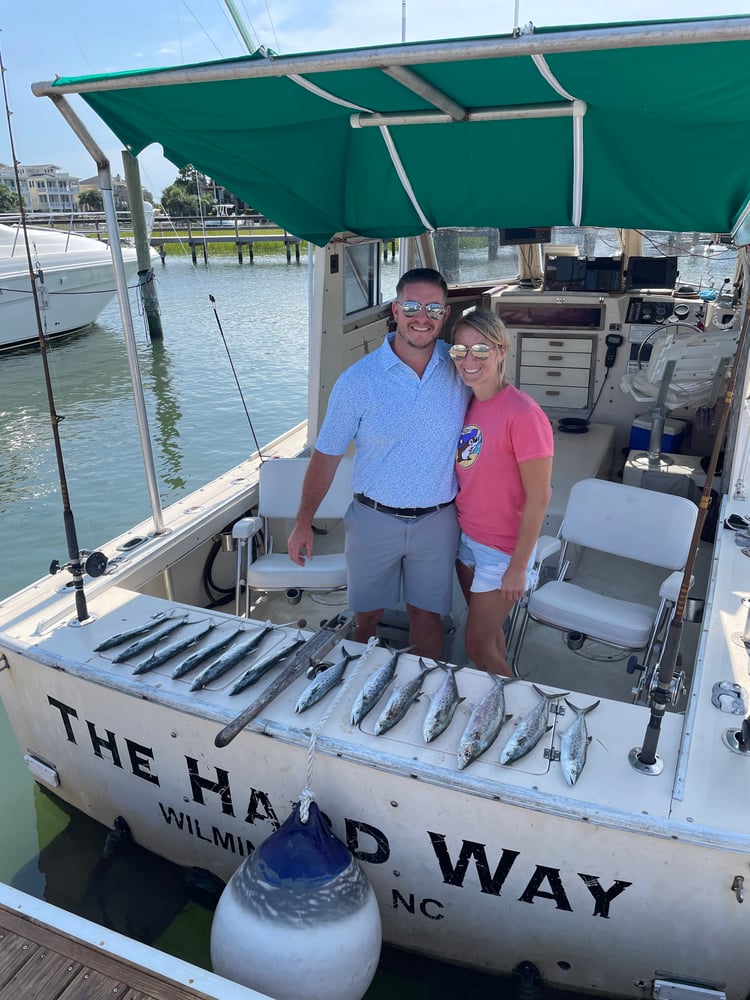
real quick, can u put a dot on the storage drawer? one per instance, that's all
(546, 395)
(557, 345)
(555, 359)
(555, 376)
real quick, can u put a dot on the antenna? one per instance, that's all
(249, 43)
(403, 20)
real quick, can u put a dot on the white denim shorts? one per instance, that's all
(489, 565)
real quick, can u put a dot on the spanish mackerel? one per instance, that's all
(401, 699)
(324, 681)
(443, 706)
(200, 655)
(530, 729)
(484, 722)
(574, 743)
(131, 633)
(232, 656)
(149, 640)
(160, 656)
(375, 685)
(253, 674)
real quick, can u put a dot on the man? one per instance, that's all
(403, 406)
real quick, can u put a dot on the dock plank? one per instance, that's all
(39, 961)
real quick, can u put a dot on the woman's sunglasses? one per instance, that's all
(478, 351)
(410, 309)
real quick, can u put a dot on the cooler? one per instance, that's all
(671, 439)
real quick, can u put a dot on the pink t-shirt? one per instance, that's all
(498, 434)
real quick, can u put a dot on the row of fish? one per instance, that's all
(485, 721)
(487, 718)
(228, 649)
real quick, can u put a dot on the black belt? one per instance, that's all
(399, 511)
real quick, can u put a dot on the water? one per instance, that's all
(200, 428)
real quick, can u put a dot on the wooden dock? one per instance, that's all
(49, 954)
(241, 241)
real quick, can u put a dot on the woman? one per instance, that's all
(504, 467)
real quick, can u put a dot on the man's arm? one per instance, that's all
(318, 478)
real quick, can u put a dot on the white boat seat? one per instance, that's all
(279, 491)
(276, 571)
(575, 609)
(626, 522)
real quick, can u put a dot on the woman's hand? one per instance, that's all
(513, 584)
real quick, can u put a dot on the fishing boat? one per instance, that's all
(74, 282)
(603, 835)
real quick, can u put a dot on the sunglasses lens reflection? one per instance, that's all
(478, 351)
(410, 309)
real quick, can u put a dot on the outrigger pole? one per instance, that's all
(121, 284)
(645, 758)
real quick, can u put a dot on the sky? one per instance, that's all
(46, 38)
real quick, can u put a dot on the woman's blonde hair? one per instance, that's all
(492, 328)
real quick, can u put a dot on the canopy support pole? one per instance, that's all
(121, 284)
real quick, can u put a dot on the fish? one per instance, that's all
(443, 705)
(324, 681)
(253, 674)
(232, 656)
(530, 729)
(574, 743)
(196, 658)
(485, 722)
(160, 656)
(131, 633)
(149, 640)
(400, 700)
(375, 685)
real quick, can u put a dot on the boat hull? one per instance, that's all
(75, 282)
(464, 869)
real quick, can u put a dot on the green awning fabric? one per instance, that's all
(665, 134)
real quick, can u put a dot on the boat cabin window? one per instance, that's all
(561, 316)
(361, 277)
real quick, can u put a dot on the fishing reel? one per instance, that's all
(648, 682)
(95, 564)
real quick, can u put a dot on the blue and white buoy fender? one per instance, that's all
(299, 918)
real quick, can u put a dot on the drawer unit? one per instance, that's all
(558, 396)
(556, 371)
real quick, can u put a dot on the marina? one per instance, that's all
(516, 850)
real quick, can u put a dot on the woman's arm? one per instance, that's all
(536, 476)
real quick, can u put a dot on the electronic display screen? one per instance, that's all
(520, 237)
(651, 272)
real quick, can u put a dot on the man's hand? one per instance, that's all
(318, 478)
(300, 541)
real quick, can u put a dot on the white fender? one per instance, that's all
(298, 920)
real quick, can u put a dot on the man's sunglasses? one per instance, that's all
(479, 351)
(410, 309)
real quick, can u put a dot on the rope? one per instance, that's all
(307, 796)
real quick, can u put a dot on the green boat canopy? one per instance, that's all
(640, 126)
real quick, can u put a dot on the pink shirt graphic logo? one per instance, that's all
(469, 446)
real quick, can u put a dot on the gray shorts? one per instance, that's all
(392, 558)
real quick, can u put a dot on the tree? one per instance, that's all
(8, 200)
(177, 200)
(193, 193)
(91, 200)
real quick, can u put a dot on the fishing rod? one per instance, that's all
(645, 758)
(96, 563)
(236, 379)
